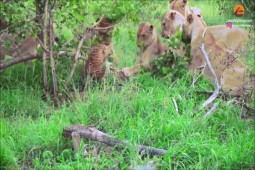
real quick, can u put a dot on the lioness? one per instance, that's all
(175, 17)
(182, 7)
(171, 23)
(221, 45)
(148, 41)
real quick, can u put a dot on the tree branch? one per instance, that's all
(90, 32)
(90, 133)
(17, 61)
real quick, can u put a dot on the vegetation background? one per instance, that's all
(140, 110)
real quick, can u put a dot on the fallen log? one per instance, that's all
(92, 134)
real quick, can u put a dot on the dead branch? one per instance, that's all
(216, 92)
(45, 84)
(211, 111)
(90, 32)
(175, 105)
(90, 133)
(52, 62)
(77, 55)
(43, 46)
(195, 80)
(17, 61)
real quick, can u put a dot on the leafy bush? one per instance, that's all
(170, 64)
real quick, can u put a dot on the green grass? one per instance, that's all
(140, 110)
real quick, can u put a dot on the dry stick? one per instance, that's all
(175, 105)
(216, 92)
(76, 59)
(52, 62)
(86, 36)
(42, 45)
(45, 85)
(90, 133)
(211, 111)
(195, 80)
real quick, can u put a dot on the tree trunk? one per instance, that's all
(45, 84)
(52, 62)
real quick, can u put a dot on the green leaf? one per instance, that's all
(165, 70)
(66, 34)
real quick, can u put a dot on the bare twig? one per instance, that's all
(45, 84)
(86, 36)
(175, 105)
(195, 80)
(90, 133)
(42, 45)
(52, 62)
(211, 111)
(216, 92)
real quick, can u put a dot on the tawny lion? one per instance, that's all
(148, 41)
(221, 45)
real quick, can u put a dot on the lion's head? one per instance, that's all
(179, 5)
(171, 23)
(146, 34)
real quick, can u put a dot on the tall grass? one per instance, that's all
(140, 110)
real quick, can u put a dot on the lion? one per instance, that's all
(182, 7)
(172, 23)
(95, 64)
(221, 45)
(175, 17)
(151, 47)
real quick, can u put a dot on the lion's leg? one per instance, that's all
(129, 71)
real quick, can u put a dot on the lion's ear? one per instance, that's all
(172, 15)
(190, 18)
(151, 28)
(171, 1)
(185, 1)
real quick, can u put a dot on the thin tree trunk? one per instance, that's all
(52, 62)
(45, 84)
